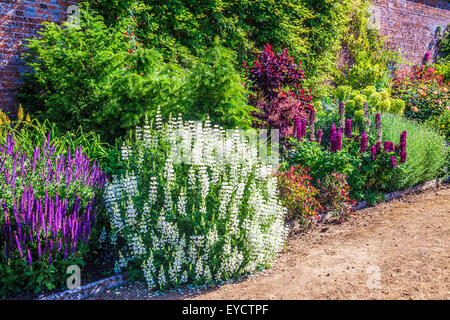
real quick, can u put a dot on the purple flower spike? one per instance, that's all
(403, 157)
(393, 162)
(348, 128)
(373, 153)
(30, 262)
(363, 147)
(304, 127)
(378, 147)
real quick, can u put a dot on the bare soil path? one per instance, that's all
(405, 244)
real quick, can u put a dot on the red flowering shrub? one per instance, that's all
(298, 195)
(279, 94)
(335, 196)
(425, 94)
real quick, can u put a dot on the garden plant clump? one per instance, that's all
(49, 207)
(194, 206)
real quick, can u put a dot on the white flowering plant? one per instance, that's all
(195, 205)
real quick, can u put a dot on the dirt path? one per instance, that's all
(406, 242)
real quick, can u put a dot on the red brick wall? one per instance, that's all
(411, 25)
(19, 20)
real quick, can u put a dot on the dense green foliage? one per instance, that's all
(312, 30)
(215, 89)
(95, 77)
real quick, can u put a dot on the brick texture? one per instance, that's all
(410, 25)
(19, 20)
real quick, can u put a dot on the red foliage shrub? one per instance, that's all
(299, 195)
(279, 93)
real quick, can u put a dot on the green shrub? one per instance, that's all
(215, 89)
(195, 206)
(425, 147)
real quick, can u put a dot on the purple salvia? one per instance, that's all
(19, 247)
(30, 262)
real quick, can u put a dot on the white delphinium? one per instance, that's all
(192, 178)
(138, 134)
(130, 213)
(184, 278)
(169, 231)
(149, 271)
(243, 235)
(137, 246)
(162, 277)
(117, 223)
(121, 263)
(126, 151)
(146, 135)
(130, 185)
(225, 195)
(181, 205)
(153, 191)
(169, 173)
(198, 269)
(143, 225)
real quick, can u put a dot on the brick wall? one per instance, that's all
(411, 24)
(19, 20)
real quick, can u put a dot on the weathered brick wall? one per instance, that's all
(19, 20)
(411, 25)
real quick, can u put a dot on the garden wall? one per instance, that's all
(411, 25)
(19, 20)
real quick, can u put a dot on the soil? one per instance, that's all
(405, 242)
